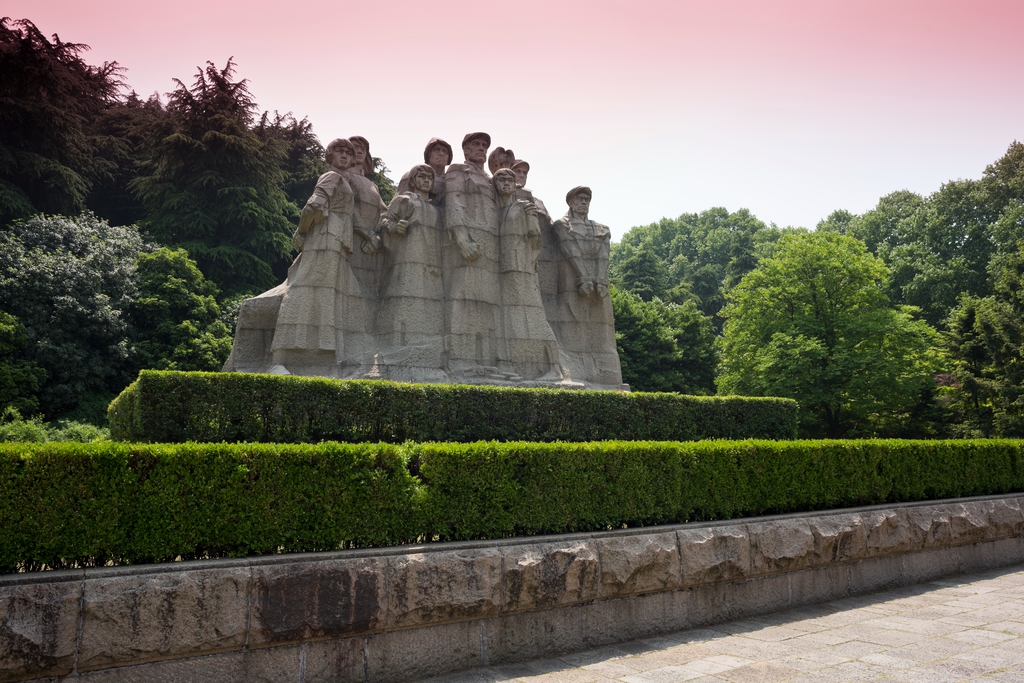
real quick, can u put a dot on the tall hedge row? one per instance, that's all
(173, 407)
(81, 504)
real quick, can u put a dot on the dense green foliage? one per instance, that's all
(65, 505)
(813, 323)
(14, 427)
(663, 346)
(194, 406)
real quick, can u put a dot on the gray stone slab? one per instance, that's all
(38, 629)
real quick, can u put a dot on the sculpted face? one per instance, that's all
(342, 158)
(476, 151)
(438, 157)
(521, 173)
(360, 154)
(505, 185)
(580, 204)
(423, 180)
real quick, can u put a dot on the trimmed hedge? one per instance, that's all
(89, 504)
(172, 407)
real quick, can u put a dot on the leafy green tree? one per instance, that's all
(215, 188)
(838, 222)
(663, 346)
(176, 315)
(48, 95)
(641, 272)
(71, 282)
(20, 379)
(813, 323)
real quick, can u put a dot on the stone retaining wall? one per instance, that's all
(398, 614)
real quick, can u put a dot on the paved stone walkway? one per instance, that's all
(968, 628)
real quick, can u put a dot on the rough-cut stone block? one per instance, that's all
(614, 621)
(335, 661)
(1005, 518)
(710, 555)
(930, 564)
(38, 628)
(876, 574)
(813, 586)
(631, 565)
(720, 602)
(531, 635)
(414, 654)
(929, 527)
(549, 575)
(887, 532)
(968, 522)
(321, 599)
(144, 617)
(780, 546)
(837, 538)
(436, 587)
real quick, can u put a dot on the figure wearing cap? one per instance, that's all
(583, 320)
(471, 263)
(437, 155)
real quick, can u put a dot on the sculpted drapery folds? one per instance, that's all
(464, 277)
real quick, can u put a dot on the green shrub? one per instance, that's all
(173, 407)
(86, 504)
(13, 427)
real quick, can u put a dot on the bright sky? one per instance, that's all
(790, 108)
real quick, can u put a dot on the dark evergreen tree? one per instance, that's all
(214, 188)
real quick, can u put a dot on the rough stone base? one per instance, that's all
(401, 614)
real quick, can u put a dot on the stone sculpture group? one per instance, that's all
(464, 277)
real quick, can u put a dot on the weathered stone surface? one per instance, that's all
(929, 527)
(837, 538)
(785, 545)
(631, 565)
(968, 522)
(414, 654)
(335, 661)
(279, 664)
(642, 616)
(817, 585)
(930, 564)
(1005, 518)
(131, 619)
(876, 574)
(436, 587)
(38, 628)
(886, 532)
(720, 602)
(322, 599)
(549, 575)
(529, 635)
(714, 554)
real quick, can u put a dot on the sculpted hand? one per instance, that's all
(531, 209)
(602, 290)
(400, 227)
(470, 250)
(586, 288)
(372, 245)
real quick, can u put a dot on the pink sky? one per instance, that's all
(791, 109)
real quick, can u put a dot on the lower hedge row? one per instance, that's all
(89, 504)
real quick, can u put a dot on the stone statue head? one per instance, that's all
(474, 147)
(521, 169)
(421, 178)
(500, 158)
(578, 200)
(438, 153)
(340, 154)
(362, 146)
(504, 182)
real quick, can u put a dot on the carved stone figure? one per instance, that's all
(581, 314)
(437, 155)
(364, 161)
(410, 324)
(471, 266)
(306, 336)
(500, 158)
(530, 342)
